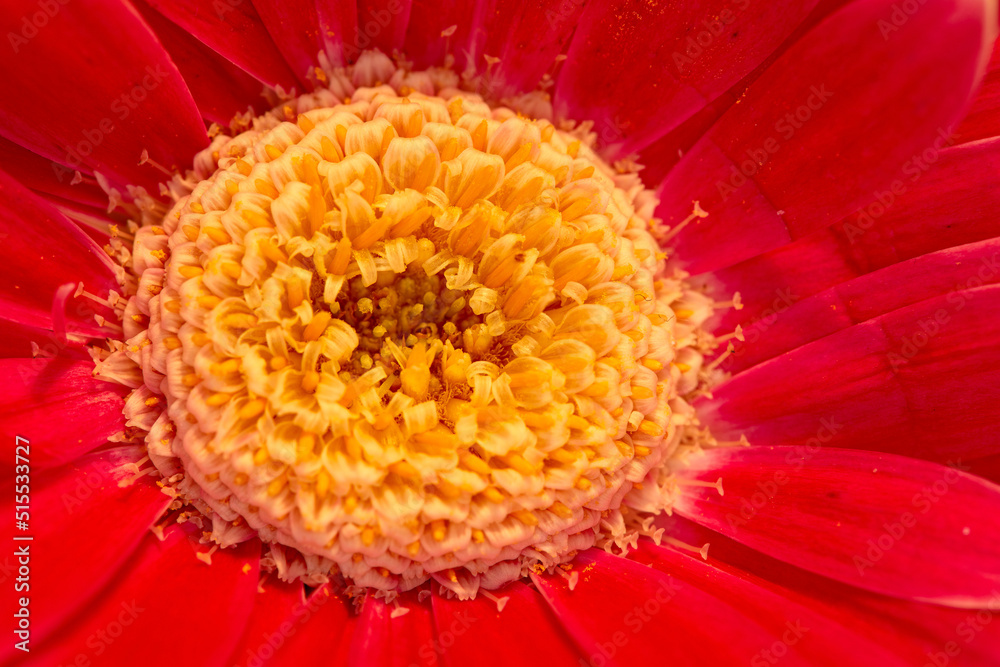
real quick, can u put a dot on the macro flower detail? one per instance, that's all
(409, 337)
(571, 333)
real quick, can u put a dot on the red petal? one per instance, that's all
(85, 520)
(888, 622)
(869, 296)
(42, 251)
(59, 407)
(382, 24)
(168, 606)
(983, 119)
(885, 523)
(338, 22)
(426, 46)
(295, 29)
(80, 102)
(527, 37)
(922, 381)
(321, 629)
(660, 157)
(633, 614)
(234, 30)
(474, 632)
(382, 641)
(279, 609)
(16, 337)
(950, 204)
(220, 88)
(45, 176)
(808, 628)
(639, 69)
(825, 162)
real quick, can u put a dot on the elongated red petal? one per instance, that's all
(429, 34)
(983, 119)
(42, 251)
(382, 24)
(888, 524)
(869, 296)
(809, 142)
(527, 37)
(921, 381)
(810, 630)
(44, 176)
(17, 336)
(887, 622)
(630, 614)
(80, 102)
(319, 634)
(944, 204)
(382, 640)
(236, 31)
(279, 610)
(164, 589)
(466, 628)
(84, 521)
(640, 69)
(59, 407)
(338, 22)
(294, 28)
(220, 89)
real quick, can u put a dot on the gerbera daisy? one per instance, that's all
(576, 333)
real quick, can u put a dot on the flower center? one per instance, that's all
(412, 336)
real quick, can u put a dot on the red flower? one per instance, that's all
(851, 203)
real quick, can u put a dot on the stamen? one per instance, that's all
(410, 341)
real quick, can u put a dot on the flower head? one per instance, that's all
(409, 356)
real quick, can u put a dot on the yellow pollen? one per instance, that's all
(650, 428)
(217, 235)
(310, 380)
(273, 252)
(272, 151)
(253, 409)
(317, 325)
(392, 327)
(643, 393)
(215, 400)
